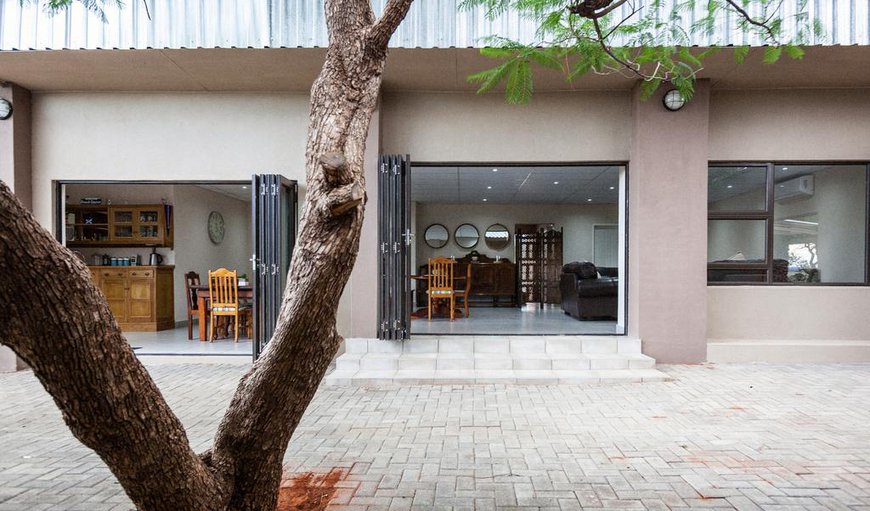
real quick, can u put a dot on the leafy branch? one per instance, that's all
(640, 39)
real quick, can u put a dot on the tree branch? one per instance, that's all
(60, 324)
(609, 51)
(382, 30)
(770, 36)
(594, 9)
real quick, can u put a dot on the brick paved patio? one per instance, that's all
(724, 437)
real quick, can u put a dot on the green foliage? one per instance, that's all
(642, 39)
(97, 7)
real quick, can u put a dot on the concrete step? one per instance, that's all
(492, 361)
(510, 359)
(424, 377)
(498, 344)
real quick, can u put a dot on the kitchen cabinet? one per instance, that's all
(140, 297)
(119, 226)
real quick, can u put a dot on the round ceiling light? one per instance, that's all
(673, 100)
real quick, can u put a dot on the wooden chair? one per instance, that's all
(463, 293)
(441, 283)
(191, 278)
(223, 293)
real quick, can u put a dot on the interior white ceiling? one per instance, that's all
(516, 184)
(238, 192)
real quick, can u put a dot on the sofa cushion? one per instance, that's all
(584, 270)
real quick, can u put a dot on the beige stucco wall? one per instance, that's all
(15, 163)
(668, 227)
(454, 127)
(178, 136)
(789, 126)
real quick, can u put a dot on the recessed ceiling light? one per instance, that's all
(730, 186)
(612, 187)
(244, 188)
(495, 170)
(785, 168)
(588, 200)
(489, 188)
(484, 200)
(555, 182)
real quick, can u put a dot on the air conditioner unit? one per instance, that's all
(794, 189)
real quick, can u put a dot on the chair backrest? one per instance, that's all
(223, 290)
(467, 287)
(191, 278)
(441, 274)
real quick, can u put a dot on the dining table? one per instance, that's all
(439, 309)
(202, 296)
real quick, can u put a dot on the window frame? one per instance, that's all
(767, 214)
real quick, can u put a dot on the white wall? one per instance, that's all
(194, 251)
(577, 220)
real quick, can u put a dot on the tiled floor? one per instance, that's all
(175, 342)
(528, 320)
(741, 437)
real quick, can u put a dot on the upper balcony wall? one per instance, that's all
(300, 23)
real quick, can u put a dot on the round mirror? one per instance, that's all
(436, 235)
(466, 236)
(497, 237)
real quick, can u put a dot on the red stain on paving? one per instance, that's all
(308, 491)
(738, 408)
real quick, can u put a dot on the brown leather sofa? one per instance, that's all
(585, 295)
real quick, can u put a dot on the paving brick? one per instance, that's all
(742, 437)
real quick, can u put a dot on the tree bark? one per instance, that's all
(60, 324)
(271, 399)
(57, 320)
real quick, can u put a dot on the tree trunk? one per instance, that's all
(56, 319)
(63, 328)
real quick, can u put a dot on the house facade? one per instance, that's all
(222, 94)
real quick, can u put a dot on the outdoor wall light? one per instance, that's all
(5, 109)
(673, 100)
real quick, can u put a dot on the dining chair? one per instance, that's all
(466, 290)
(441, 283)
(191, 279)
(223, 294)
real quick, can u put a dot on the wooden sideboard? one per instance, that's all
(140, 297)
(491, 282)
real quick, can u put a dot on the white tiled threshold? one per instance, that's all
(494, 359)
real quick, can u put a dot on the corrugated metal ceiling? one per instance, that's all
(300, 23)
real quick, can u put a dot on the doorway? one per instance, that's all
(542, 247)
(145, 241)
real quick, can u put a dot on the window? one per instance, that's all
(801, 224)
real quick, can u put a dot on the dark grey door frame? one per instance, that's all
(394, 242)
(273, 216)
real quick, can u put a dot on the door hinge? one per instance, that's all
(408, 237)
(384, 168)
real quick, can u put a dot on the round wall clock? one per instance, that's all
(216, 228)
